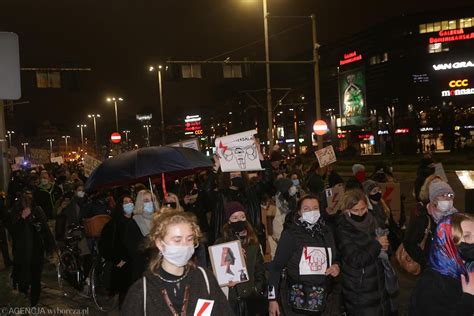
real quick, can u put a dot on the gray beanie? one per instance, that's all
(439, 188)
(369, 185)
(357, 167)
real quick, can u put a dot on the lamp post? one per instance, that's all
(94, 117)
(65, 137)
(50, 140)
(81, 126)
(115, 100)
(126, 132)
(147, 134)
(267, 68)
(159, 69)
(24, 150)
(9, 135)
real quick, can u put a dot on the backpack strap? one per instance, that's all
(144, 296)
(206, 279)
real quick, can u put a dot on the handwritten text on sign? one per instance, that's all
(326, 156)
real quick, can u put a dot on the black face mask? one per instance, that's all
(376, 197)
(237, 227)
(170, 204)
(466, 251)
(358, 218)
(237, 182)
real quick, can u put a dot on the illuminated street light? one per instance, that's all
(115, 100)
(126, 132)
(50, 140)
(24, 150)
(9, 135)
(94, 117)
(147, 134)
(159, 69)
(65, 137)
(82, 126)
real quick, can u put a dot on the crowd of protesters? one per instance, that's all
(309, 259)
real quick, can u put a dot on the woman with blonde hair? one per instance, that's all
(138, 229)
(172, 284)
(171, 202)
(447, 286)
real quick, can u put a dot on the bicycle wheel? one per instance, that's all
(104, 298)
(68, 273)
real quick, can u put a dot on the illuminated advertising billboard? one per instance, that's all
(352, 97)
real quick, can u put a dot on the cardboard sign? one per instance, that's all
(326, 156)
(203, 307)
(90, 163)
(238, 152)
(59, 160)
(334, 198)
(439, 171)
(391, 196)
(39, 156)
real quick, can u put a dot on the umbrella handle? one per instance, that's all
(153, 196)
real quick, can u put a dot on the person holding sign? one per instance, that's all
(243, 297)
(173, 284)
(363, 279)
(307, 250)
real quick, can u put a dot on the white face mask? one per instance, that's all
(80, 194)
(292, 191)
(177, 255)
(445, 206)
(311, 217)
(148, 207)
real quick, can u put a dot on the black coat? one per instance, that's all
(46, 199)
(415, 234)
(156, 305)
(363, 278)
(135, 244)
(439, 295)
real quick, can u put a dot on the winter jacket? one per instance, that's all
(439, 295)
(363, 278)
(135, 244)
(415, 234)
(156, 305)
(315, 183)
(46, 198)
(256, 273)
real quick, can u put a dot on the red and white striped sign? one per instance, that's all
(115, 138)
(203, 307)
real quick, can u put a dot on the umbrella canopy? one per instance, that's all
(144, 163)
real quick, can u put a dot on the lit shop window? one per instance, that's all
(446, 25)
(437, 48)
(463, 23)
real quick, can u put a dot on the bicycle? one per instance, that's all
(71, 275)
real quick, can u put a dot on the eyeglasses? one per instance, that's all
(448, 195)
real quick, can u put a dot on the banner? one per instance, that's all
(59, 160)
(326, 156)
(391, 196)
(90, 163)
(39, 156)
(352, 97)
(238, 152)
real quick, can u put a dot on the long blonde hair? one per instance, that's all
(175, 198)
(139, 202)
(159, 230)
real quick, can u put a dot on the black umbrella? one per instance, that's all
(147, 163)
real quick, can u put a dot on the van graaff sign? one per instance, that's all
(451, 36)
(463, 84)
(455, 65)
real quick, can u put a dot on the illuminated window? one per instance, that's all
(384, 57)
(445, 25)
(191, 71)
(429, 27)
(232, 71)
(422, 28)
(463, 23)
(438, 48)
(452, 24)
(437, 27)
(45, 79)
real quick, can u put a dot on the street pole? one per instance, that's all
(160, 84)
(116, 116)
(147, 134)
(5, 167)
(269, 86)
(126, 135)
(24, 150)
(317, 92)
(65, 141)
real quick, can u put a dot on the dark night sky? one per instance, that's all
(118, 39)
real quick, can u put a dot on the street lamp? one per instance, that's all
(159, 69)
(10, 133)
(115, 100)
(24, 150)
(65, 137)
(94, 117)
(81, 126)
(147, 134)
(50, 140)
(126, 132)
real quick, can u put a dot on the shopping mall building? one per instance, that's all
(405, 85)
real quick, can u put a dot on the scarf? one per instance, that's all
(312, 229)
(366, 226)
(444, 257)
(437, 214)
(144, 222)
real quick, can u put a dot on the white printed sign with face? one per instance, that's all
(314, 260)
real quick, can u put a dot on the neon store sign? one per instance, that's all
(350, 58)
(460, 83)
(455, 65)
(451, 36)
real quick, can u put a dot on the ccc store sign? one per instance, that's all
(459, 83)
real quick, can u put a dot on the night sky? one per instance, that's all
(119, 39)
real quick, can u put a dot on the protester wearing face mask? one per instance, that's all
(137, 230)
(307, 240)
(441, 200)
(285, 201)
(113, 248)
(245, 298)
(355, 182)
(363, 279)
(447, 286)
(172, 284)
(171, 202)
(46, 194)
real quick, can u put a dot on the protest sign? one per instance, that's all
(326, 156)
(19, 160)
(39, 156)
(90, 163)
(191, 143)
(59, 160)
(391, 196)
(334, 198)
(238, 152)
